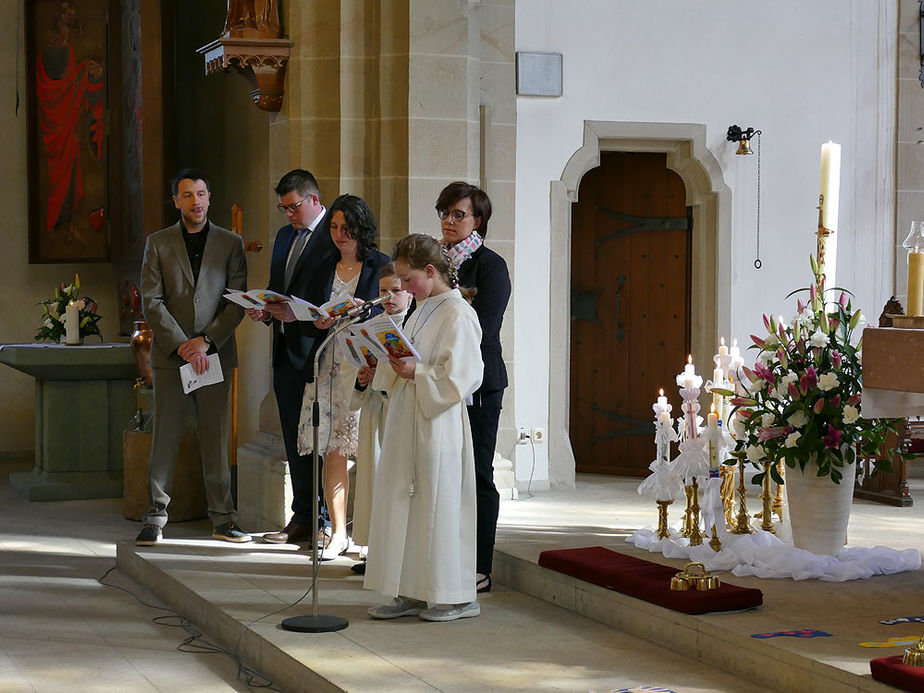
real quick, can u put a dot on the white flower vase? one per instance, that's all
(819, 509)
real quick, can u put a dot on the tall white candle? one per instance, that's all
(689, 369)
(830, 183)
(71, 324)
(829, 199)
(662, 401)
(735, 351)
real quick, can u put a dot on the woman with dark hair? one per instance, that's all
(464, 211)
(353, 272)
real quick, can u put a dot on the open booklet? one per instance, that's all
(358, 349)
(384, 335)
(302, 309)
(193, 381)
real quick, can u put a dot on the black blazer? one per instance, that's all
(486, 271)
(317, 260)
(367, 287)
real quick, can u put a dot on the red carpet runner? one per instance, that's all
(890, 670)
(646, 580)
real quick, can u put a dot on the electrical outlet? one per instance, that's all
(522, 436)
(537, 435)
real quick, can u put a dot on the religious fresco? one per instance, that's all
(68, 157)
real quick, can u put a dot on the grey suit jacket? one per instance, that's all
(178, 310)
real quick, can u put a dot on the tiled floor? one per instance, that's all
(60, 629)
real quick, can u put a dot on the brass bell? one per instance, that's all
(694, 577)
(679, 582)
(914, 656)
(744, 147)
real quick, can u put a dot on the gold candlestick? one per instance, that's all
(743, 524)
(696, 537)
(715, 543)
(687, 512)
(766, 513)
(727, 491)
(778, 496)
(663, 531)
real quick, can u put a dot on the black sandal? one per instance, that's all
(483, 585)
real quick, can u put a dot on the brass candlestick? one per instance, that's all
(715, 543)
(696, 537)
(743, 524)
(727, 491)
(663, 532)
(778, 496)
(766, 513)
(687, 512)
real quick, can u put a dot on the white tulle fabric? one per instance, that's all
(766, 555)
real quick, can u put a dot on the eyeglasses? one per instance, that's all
(292, 207)
(454, 215)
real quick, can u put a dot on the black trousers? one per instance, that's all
(484, 415)
(289, 387)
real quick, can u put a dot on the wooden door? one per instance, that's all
(630, 308)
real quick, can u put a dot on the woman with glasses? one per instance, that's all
(464, 211)
(354, 274)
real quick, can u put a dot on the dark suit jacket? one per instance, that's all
(178, 310)
(486, 271)
(317, 260)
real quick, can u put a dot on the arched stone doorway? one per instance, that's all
(710, 202)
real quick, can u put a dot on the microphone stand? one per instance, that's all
(321, 623)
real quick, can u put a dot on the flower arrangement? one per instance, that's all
(801, 403)
(53, 312)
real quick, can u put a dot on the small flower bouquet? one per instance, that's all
(801, 403)
(53, 312)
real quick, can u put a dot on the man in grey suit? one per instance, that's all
(185, 272)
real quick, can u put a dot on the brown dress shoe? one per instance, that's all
(292, 534)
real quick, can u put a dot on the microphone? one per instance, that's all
(366, 306)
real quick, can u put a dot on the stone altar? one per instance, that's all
(84, 400)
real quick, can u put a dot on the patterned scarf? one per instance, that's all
(461, 251)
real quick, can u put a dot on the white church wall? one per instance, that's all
(803, 74)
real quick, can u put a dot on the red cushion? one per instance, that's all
(890, 670)
(916, 446)
(646, 580)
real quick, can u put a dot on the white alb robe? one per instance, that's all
(422, 535)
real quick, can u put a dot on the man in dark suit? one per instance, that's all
(302, 256)
(185, 272)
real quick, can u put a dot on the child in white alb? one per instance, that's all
(422, 534)
(372, 405)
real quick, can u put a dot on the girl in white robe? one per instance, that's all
(373, 406)
(422, 534)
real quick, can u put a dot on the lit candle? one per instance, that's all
(717, 380)
(723, 350)
(71, 324)
(915, 281)
(734, 352)
(712, 424)
(662, 401)
(689, 369)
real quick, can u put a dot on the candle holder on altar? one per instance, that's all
(766, 513)
(743, 522)
(914, 244)
(778, 494)
(715, 543)
(696, 537)
(663, 532)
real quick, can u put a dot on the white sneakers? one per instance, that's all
(451, 612)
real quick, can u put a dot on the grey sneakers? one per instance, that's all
(405, 606)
